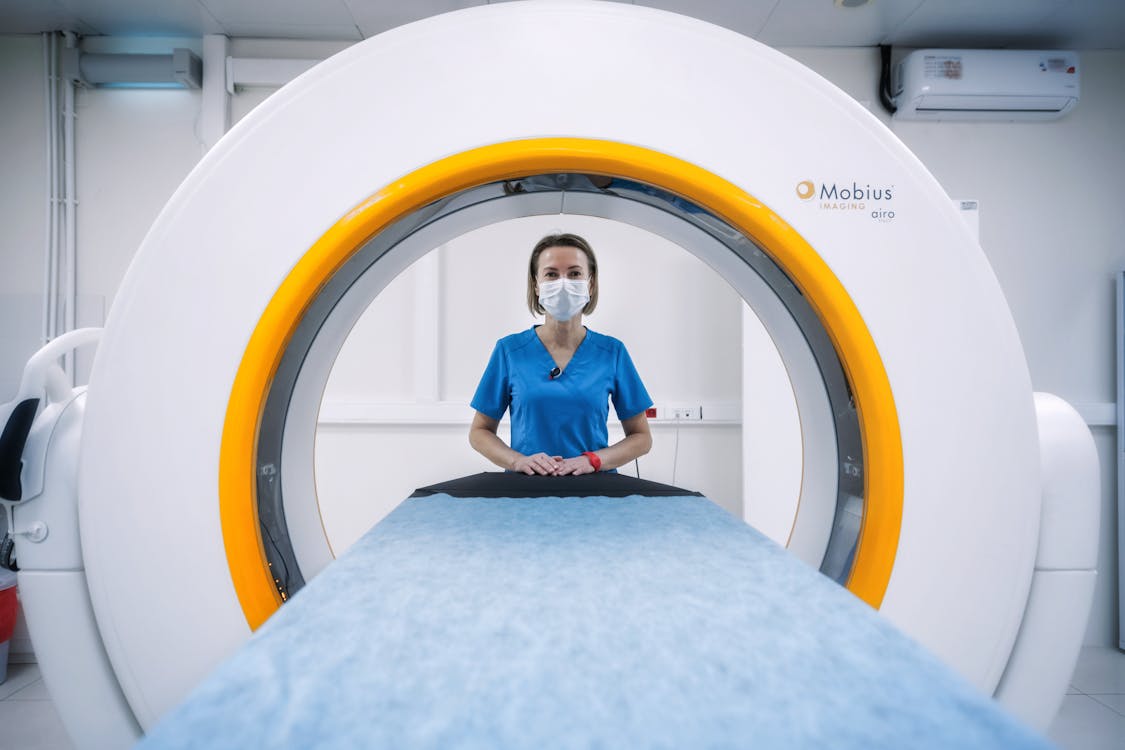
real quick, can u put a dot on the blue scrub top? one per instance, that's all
(565, 416)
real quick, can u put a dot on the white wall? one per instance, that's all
(134, 149)
(1049, 224)
(23, 169)
(23, 165)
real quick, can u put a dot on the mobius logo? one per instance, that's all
(850, 197)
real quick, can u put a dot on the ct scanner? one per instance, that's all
(186, 469)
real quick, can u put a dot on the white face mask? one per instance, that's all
(564, 298)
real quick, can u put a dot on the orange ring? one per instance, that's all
(878, 418)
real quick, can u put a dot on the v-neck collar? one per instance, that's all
(547, 352)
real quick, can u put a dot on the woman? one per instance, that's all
(557, 378)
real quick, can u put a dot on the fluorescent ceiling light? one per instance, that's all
(182, 69)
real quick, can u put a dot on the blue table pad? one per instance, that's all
(579, 623)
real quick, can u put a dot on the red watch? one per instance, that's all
(594, 460)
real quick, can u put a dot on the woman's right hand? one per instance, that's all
(539, 463)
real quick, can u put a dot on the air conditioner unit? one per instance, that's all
(969, 84)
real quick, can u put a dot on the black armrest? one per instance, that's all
(12, 442)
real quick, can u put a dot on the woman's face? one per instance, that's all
(562, 263)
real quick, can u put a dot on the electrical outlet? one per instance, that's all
(687, 413)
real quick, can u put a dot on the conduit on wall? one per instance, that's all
(60, 279)
(50, 260)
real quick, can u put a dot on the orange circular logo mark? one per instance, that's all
(805, 189)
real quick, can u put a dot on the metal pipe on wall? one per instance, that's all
(56, 187)
(70, 206)
(48, 249)
(51, 312)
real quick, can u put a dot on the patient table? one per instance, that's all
(504, 611)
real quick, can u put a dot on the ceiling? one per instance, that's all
(1029, 24)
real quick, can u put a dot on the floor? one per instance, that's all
(1092, 716)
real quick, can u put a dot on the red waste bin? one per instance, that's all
(8, 608)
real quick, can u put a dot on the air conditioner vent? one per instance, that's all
(986, 85)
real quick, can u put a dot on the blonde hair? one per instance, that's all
(560, 240)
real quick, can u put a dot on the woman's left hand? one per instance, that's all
(576, 465)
